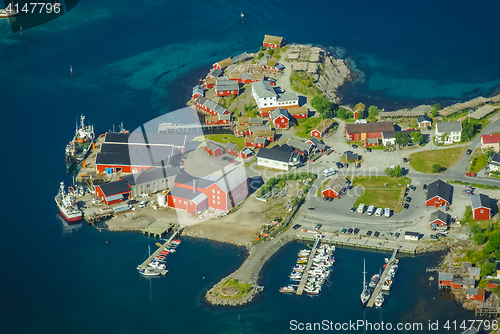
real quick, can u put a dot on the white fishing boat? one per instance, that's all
(379, 300)
(149, 272)
(287, 289)
(386, 286)
(8, 12)
(374, 280)
(365, 294)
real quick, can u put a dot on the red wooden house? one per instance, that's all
(211, 107)
(267, 134)
(246, 153)
(322, 128)
(242, 130)
(214, 73)
(280, 118)
(219, 119)
(439, 193)
(445, 279)
(360, 131)
(253, 141)
(481, 207)
(113, 192)
(232, 149)
(223, 63)
(336, 187)
(213, 148)
(298, 112)
(493, 283)
(224, 87)
(476, 293)
(198, 91)
(209, 82)
(439, 217)
(273, 42)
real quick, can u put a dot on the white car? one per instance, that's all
(142, 204)
(329, 172)
(387, 212)
(371, 210)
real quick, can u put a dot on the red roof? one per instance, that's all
(491, 138)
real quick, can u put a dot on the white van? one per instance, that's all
(379, 212)
(370, 210)
(329, 172)
(361, 208)
(387, 212)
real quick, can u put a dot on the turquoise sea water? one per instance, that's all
(133, 61)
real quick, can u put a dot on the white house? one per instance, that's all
(267, 99)
(453, 132)
(495, 163)
(279, 157)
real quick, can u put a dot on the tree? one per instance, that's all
(417, 137)
(395, 171)
(436, 168)
(401, 138)
(488, 153)
(270, 51)
(322, 105)
(435, 109)
(373, 111)
(469, 129)
(479, 238)
(344, 114)
(444, 137)
(488, 269)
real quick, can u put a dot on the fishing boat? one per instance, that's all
(148, 272)
(379, 300)
(374, 280)
(67, 206)
(79, 147)
(287, 289)
(365, 294)
(386, 286)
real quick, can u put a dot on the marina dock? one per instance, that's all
(372, 243)
(378, 287)
(304, 277)
(144, 265)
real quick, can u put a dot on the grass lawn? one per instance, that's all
(303, 83)
(243, 288)
(478, 163)
(381, 191)
(223, 139)
(305, 126)
(446, 157)
(387, 198)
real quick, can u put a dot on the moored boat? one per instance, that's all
(365, 294)
(374, 280)
(79, 147)
(379, 300)
(8, 12)
(67, 206)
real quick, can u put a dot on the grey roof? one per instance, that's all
(184, 193)
(247, 150)
(448, 127)
(369, 127)
(198, 90)
(232, 146)
(445, 276)
(113, 188)
(213, 145)
(480, 201)
(336, 184)
(495, 159)
(252, 128)
(472, 291)
(150, 175)
(351, 156)
(260, 140)
(441, 215)
(263, 89)
(440, 189)
(200, 198)
(469, 281)
(216, 72)
(133, 155)
(279, 111)
(423, 118)
(274, 153)
(230, 178)
(299, 145)
(318, 143)
(475, 271)
(413, 234)
(287, 96)
(241, 56)
(225, 85)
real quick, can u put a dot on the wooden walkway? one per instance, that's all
(378, 287)
(303, 280)
(144, 265)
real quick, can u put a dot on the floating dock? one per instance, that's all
(378, 287)
(144, 265)
(305, 276)
(348, 240)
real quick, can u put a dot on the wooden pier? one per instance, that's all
(433, 269)
(305, 276)
(144, 265)
(157, 229)
(166, 127)
(487, 309)
(378, 287)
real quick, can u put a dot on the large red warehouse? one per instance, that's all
(361, 131)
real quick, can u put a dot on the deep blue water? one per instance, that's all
(134, 61)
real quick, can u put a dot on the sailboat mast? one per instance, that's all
(364, 274)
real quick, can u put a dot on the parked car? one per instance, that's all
(296, 226)
(361, 208)
(387, 212)
(397, 234)
(318, 226)
(468, 152)
(368, 149)
(330, 199)
(432, 236)
(349, 230)
(354, 146)
(413, 188)
(353, 209)
(356, 230)
(142, 204)
(339, 165)
(369, 233)
(408, 199)
(470, 174)
(405, 159)
(343, 230)
(346, 165)
(347, 152)
(467, 191)
(371, 210)
(424, 187)
(376, 234)
(441, 234)
(325, 198)
(406, 206)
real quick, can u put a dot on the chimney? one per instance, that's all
(194, 186)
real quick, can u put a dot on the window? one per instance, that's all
(213, 196)
(213, 201)
(174, 200)
(218, 192)
(218, 202)
(184, 202)
(282, 120)
(218, 197)
(481, 210)
(213, 190)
